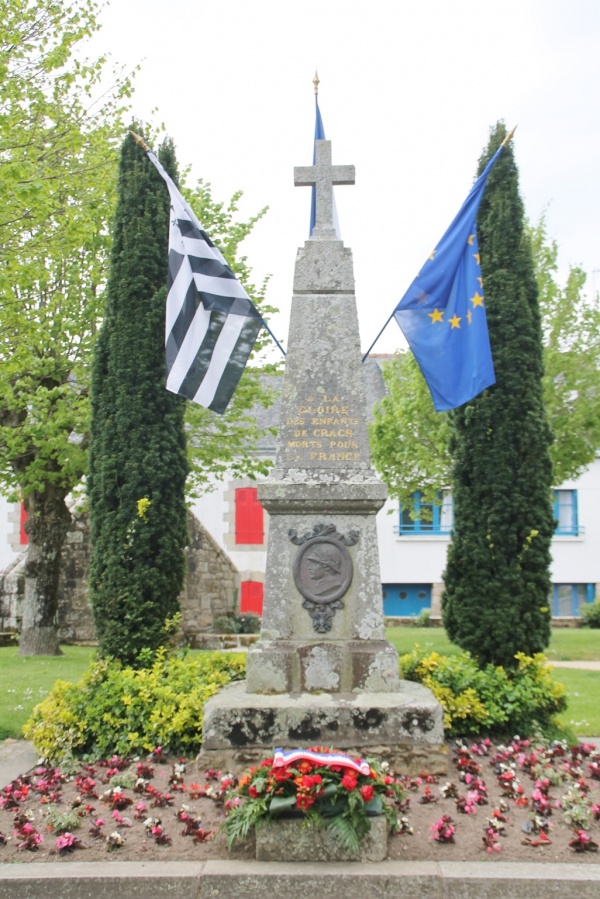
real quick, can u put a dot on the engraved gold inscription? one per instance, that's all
(326, 427)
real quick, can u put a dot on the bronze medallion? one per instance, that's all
(323, 571)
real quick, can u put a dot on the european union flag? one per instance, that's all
(442, 314)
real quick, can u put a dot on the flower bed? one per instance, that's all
(524, 801)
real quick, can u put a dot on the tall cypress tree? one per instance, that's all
(497, 581)
(137, 457)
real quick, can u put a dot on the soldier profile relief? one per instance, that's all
(323, 570)
(324, 565)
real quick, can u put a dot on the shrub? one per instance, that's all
(249, 623)
(590, 615)
(488, 700)
(119, 709)
(226, 624)
(423, 619)
(246, 623)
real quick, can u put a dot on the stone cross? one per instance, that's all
(323, 175)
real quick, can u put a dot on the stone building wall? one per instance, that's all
(211, 587)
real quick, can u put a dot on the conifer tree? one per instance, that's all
(497, 582)
(138, 457)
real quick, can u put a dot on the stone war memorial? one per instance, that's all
(322, 673)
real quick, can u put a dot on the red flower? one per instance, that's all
(253, 792)
(282, 774)
(367, 792)
(304, 801)
(349, 781)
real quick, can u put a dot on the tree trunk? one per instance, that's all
(48, 521)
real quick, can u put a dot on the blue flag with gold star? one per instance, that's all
(442, 314)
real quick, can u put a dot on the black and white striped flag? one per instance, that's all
(211, 323)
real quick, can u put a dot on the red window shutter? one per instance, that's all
(23, 538)
(251, 599)
(248, 516)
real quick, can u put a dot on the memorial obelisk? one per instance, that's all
(322, 672)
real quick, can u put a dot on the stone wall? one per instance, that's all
(211, 587)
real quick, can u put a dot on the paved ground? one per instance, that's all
(584, 666)
(16, 757)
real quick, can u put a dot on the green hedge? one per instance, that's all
(129, 711)
(124, 710)
(489, 700)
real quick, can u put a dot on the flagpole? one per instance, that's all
(142, 143)
(272, 335)
(378, 336)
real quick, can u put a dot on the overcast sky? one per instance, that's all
(408, 94)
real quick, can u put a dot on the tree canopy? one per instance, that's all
(138, 468)
(60, 130)
(497, 577)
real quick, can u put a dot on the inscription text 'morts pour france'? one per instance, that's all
(322, 430)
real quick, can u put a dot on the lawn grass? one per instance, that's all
(25, 680)
(573, 644)
(583, 689)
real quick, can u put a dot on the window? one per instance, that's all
(568, 599)
(251, 598)
(427, 518)
(248, 516)
(565, 512)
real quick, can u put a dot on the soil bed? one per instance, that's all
(165, 809)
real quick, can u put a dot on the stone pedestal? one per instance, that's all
(292, 841)
(404, 727)
(322, 672)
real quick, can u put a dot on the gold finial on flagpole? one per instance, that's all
(316, 82)
(140, 141)
(508, 137)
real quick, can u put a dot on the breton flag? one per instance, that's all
(442, 314)
(211, 323)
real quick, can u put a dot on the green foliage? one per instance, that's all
(423, 619)
(577, 809)
(61, 820)
(497, 577)
(246, 623)
(128, 711)
(489, 700)
(570, 325)
(226, 624)
(409, 439)
(590, 614)
(138, 462)
(58, 150)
